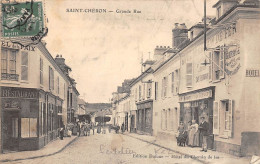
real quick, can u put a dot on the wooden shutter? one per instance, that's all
(230, 110)
(222, 62)
(189, 75)
(24, 66)
(216, 118)
(210, 66)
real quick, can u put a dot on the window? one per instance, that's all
(4, 60)
(218, 64)
(172, 89)
(8, 65)
(189, 75)
(140, 92)
(58, 85)
(28, 127)
(41, 71)
(12, 62)
(149, 89)
(176, 86)
(164, 86)
(24, 66)
(156, 90)
(51, 79)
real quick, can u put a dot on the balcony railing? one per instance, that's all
(11, 77)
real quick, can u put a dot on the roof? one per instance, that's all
(146, 72)
(215, 5)
(202, 32)
(81, 101)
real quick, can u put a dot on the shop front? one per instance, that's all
(197, 104)
(144, 117)
(29, 118)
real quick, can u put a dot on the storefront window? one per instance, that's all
(28, 127)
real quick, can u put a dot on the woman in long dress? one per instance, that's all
(193, 134)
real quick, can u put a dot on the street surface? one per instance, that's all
(111, 148)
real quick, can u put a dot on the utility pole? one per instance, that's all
(205, 26)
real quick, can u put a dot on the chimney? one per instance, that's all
(179, 34)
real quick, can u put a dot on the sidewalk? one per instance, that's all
(52, 148)
(204, 157)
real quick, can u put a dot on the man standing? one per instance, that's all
(204, 127)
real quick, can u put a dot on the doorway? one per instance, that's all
(11, 129)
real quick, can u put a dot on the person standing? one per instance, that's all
(193, 135)
(123, 128)
(204, 127)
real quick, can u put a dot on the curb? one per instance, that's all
(175, 151)
(40, 156)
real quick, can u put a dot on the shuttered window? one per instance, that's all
(229, 118)
(51, 79)
(189, 75)
(24, 66)
(172, 89)
(155, 90)
(210, 66)
(12, 62)
(222, 62)
(4, 56)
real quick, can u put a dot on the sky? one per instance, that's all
(103, 49)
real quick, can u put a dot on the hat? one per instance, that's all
(202, 117)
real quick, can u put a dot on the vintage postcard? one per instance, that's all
(130, 81)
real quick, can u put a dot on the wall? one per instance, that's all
(168, 102)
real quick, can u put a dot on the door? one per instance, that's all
(11, 128)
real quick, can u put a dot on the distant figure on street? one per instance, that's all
(93, 127)
(61, 133)
(204, 127)
(79, 127)
(123, 128)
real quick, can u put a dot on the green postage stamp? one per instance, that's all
(22, 19)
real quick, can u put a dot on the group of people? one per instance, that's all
(190, 135)
(117, 128)
(85, 128)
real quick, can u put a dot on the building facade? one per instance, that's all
(33, 96)
(217, 83)
(142, 93)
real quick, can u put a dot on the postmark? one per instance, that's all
(22, 19)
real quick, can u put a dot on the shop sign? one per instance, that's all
(12, 105)
(232, 60)
(196, 96)
(18, 93)
(252, 73)
(16, 46)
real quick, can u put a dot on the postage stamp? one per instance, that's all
(22, 18)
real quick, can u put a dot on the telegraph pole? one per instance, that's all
(205, 26)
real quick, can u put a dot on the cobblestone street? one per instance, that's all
(111, 148)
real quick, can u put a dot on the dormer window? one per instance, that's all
(219, 12)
